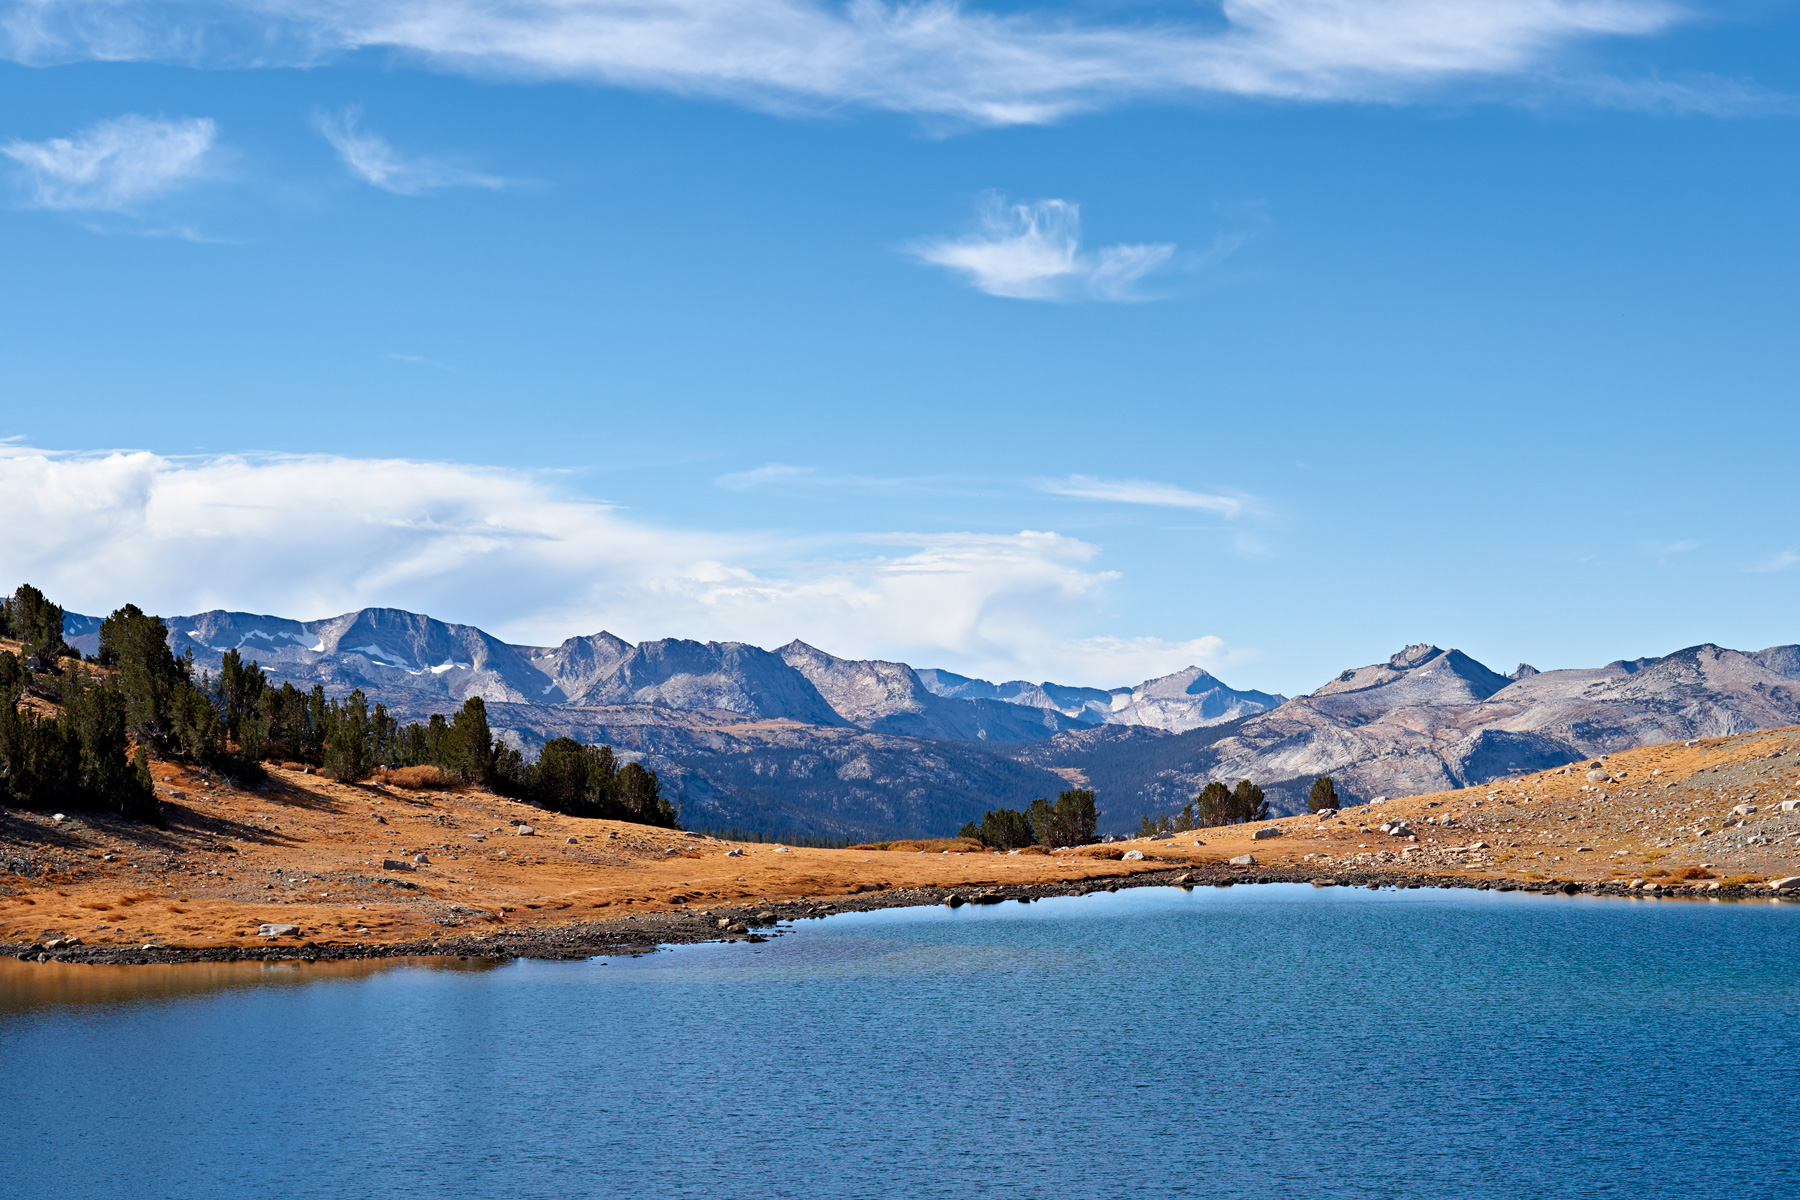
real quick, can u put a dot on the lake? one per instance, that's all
(1273, 1041)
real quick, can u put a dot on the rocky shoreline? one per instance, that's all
(642, 934)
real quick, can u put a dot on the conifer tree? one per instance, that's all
(1323, 795)
(1247, 802)
(1212, 807)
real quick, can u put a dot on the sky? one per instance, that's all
(1077, 342)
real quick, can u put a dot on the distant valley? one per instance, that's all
(798, 741)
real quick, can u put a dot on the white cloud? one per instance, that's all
(1778, 562)
(372, 159)
(115, 166)
(1033, 252)
(315, 536)
(935, 57)
(1144, 491)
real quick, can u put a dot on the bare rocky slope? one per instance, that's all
(1430, 720)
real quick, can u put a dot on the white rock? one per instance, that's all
(1743, 810)
(734, 852)
(270, 930)
(1133, 856)
(1790, 805)
(1789, 884)
(422, 858)
(525, 831)
(1243, 860)
(782, 850)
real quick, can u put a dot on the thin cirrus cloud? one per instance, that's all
(937, 58)
(1778, 562)
(1147, 492)
(117, 166)
(311, 536)
(1033, 251)
(373, 159)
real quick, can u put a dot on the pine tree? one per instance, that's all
(1212, 807)
(1247, 802)
(38, 624)
(1323, 795)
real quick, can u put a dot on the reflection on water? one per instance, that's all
(29, 985)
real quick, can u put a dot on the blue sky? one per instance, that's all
(1074, 343)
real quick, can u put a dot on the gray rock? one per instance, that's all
(1243, 860)
(1133, 856)
(422, 858)
(1788, 884)
(525, 831)
(1263, 835)
(395, 864)
(272, 930)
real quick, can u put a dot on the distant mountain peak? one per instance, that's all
(1416, 655)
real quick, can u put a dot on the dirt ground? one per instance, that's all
(340, 861)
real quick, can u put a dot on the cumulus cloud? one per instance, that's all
(372, 159)
(115, 166)
(1144, 491)
(1033, 252)
(510, 551)
(937, 57)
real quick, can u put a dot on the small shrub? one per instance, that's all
(1740, 880)
(416, 779)
(1658, 873)
(932, 845)
(1691, 873)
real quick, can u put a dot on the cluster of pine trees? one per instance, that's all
(1070, 821)
(1218, 804)
(144, 695)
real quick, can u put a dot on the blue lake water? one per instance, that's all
(1258, 1041)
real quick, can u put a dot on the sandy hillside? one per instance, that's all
(342, 861)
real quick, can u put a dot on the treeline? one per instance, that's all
(147, 697)
(1218, 804)
(1070, 821)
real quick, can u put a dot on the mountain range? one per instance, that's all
(798, 741)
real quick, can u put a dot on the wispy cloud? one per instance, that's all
(514, 552)
(116, 166)
(372, 159)
(1145, 491)
(936, 57)
(1778, 562)
(1033, 251)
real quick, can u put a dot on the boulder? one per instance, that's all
(395, 864)
(1263, 835)
(778, 849)
(1598, 776)
(573, 841)
(1243, 860)
(424, 859)
(272, 930)
(1133, 856)
(734, 852)
(953, 900)
(1743, 810)
(1790, 883)
(525, 831)
(1790, 805)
